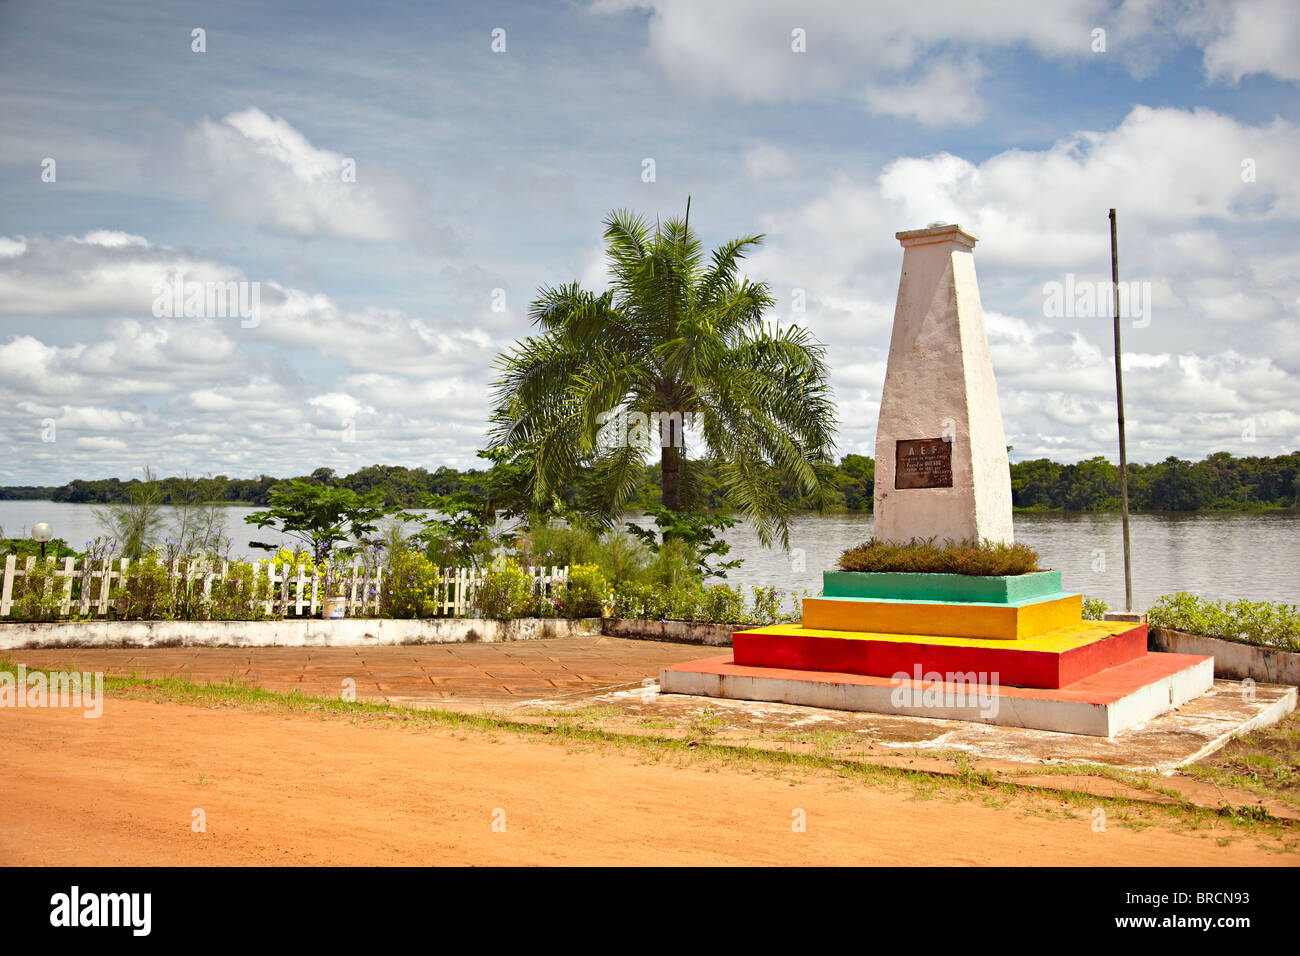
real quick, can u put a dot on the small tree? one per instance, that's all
(459, 533)
(330, 521)
(135, 524)
(696, 534)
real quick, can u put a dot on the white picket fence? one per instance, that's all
(293, 591)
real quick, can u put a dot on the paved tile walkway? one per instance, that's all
(447, 674)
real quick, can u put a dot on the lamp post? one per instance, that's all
(42, 532)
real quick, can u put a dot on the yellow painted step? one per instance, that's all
(991, 621)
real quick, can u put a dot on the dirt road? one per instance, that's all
(275, 789)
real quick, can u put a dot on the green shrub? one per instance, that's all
(410, 588)
(719, 604)
(767, 605)
(583, 594)
(925, 557)
(239, 596)
(506, 592)
(723, 604)
(38, 593)
(1094, 609)
(146, 594)
(1248, 622)
(649, 602)
(685, 602)
(187, 601)
(546, 547)
(675, 564)
(622, 558)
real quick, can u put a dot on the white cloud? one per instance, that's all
(944, 95)
(208, 395)
(112, 239)
(260, 169)
(1259, 36)
(923, 60)
(1224, 301)
(99, 443)
(103, 273)
(766, 160)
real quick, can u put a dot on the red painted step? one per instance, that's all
(1015, 667)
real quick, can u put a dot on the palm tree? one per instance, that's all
(684, 343)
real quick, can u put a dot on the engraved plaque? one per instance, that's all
(923, 463)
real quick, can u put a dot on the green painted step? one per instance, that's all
(906, 586)
(1022, 602)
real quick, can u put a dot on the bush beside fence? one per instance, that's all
(215, 589)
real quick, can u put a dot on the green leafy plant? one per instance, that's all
(1094, 609)
(22, 548)
(547, 545)
(719, 604)
(1248, 622)
(584, 592)
(723, 605)
(329, 520)
(146, 594)
(622, 558)
(460, 533)
(239, 595)
(38, 593)
(767, 604)
(410, 589)
(506, 592)
(695, 535)
(978, 558)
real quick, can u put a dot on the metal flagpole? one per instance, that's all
(1119, 404)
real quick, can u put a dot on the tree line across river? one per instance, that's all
(1218, 482)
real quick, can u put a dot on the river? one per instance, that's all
(1219, 555)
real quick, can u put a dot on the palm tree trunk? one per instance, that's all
(670, 461)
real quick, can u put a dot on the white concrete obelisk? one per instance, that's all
(941, 452)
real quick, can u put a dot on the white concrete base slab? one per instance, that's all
(1051, 710)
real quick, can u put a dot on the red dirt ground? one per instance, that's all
(306, 790)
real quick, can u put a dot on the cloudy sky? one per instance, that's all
(126, 158)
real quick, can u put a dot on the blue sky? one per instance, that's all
(480, 171)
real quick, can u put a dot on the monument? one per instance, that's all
(1011, 650)
(941, 453)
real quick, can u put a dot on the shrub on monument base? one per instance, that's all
(979, 558)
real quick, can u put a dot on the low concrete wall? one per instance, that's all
(1232, 660)
(295, 632)
(682, 632)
